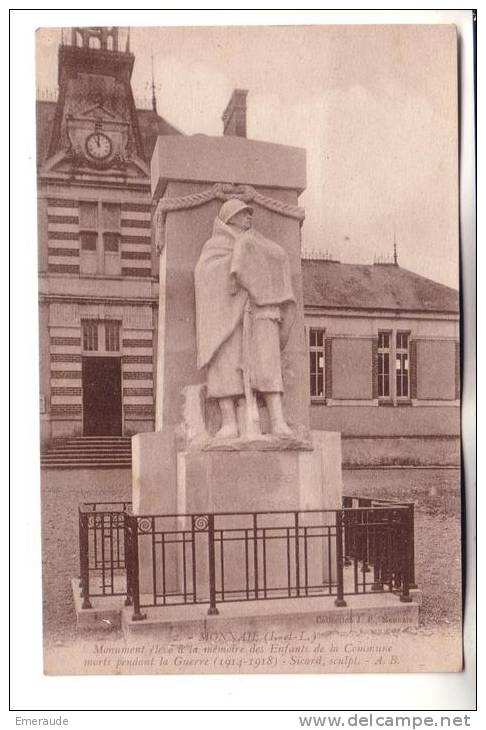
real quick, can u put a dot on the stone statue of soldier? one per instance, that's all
(245, 308)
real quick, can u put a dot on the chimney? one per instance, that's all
(234, 116)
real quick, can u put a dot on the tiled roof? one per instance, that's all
(151, 126)
(45, 111)
(379, 286)
(150, 123)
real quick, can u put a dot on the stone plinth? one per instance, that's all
(246, 482)
(286, 617)
(154, 493)
(243, 481)
(154, 473)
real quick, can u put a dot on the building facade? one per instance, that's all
(97, 266)
(383, 342)
(383, 362)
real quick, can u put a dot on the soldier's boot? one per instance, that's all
(278, 425)
(229, 425)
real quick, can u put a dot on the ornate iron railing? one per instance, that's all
(213, 558)
(376, 530)
(102, 564)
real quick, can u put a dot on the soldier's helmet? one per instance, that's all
(231, 208)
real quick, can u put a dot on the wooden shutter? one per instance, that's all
(374, 368)
(413, 368)
(328, 367)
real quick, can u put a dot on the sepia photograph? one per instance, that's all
(249, 311)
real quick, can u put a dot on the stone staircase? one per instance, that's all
(89, 452)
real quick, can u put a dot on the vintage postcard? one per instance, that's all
(249, 330)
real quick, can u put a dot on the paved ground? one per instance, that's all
(62, 491)
(436, 493)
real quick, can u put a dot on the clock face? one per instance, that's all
(98, 146)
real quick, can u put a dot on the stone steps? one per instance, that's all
(89, 452)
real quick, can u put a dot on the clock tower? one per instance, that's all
(96, 126)
(98, 272)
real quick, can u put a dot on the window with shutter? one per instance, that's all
(384, 359)
(317, 362)
(402, 366)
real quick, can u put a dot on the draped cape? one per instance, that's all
(262, 271)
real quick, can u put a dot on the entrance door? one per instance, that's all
(102, 401)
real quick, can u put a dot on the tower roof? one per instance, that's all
(95, 89)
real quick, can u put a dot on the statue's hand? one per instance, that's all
(233, 285)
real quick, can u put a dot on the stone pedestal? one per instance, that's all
(248, 481)
(241, 483)
(154, 478)
(154, 473)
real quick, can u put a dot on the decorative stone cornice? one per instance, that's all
(223, 192)
(112, 301)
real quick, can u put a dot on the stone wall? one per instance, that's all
(402, 450)
(372, 420)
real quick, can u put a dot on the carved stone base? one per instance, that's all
(265, 442)
(219, 479)
(270, 473)
(233, 477)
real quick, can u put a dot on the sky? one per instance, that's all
(374, 106)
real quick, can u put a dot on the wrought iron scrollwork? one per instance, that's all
(144, 524)
(201, 523)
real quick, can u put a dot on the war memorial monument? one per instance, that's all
(235, 498)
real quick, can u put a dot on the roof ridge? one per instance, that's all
(374, 267)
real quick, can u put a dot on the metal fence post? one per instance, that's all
(347, 503)
(84, 558)
(80, 548)
(127, 551)
(134, 570)
(340, 602)
(379, 542)
(212, 610)
(364, 516)
(411, 526)
(405, 596)
(297, 554)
